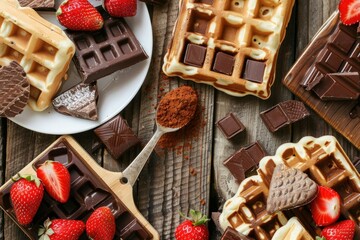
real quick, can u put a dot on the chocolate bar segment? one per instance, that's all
(224, 63)
(117, 136)
(283, 114)
(194, 55)
(38, 4)
(100, 53)
(230, 126)
(232, 234)
(254, 70)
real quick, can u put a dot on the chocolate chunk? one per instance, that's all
(232, 234)
(117, 136)
(230, 126)
(338, 86)
(79, 101)
(254, 70)
(244, 159)
(100, 53)
(284, 114)
(195, 55)
(14, 90)
(224, 63)
(38, 4)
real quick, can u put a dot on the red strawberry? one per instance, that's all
(79, 15)
(349, 11)
(121, 8)
(26, 195)
(193, 228)
(60, 229)
(101, 224)
(343, 230)
(56, 180)
(325, 208)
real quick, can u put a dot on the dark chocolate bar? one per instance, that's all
(87, 193)
(100, 53)
(283, 114)
(230, 126)
(117, 136)
(38, 4)
(232, 234)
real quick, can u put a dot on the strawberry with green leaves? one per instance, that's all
(56, 180)
(26, 195)
(343, 230)
(193, 228)
(325, 208)
(349, 11)
(101, 224)
(60, 229)
(79, 15)
(121, 8)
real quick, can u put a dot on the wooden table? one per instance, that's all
(190, 175)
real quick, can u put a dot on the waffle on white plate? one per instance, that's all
(40, 47)
(230, 44)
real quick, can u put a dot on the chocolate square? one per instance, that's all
(117, 136)
(232, 234)
(194, 55)
(274, 118)
(254, 70)
(230, 126)
(224, 63)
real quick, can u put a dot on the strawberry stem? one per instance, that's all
(196, 217)
(45, 231)
(29, 177)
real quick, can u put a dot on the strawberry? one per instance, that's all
(349, 11)
(101, 224)
(79, 15)
(325, 208)
(193, 228)
(56, 180)
(121, 8)
(343, 230)
(26, 195)
(60, 229)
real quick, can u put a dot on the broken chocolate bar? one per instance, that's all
(284, 114)
(14, 90)
(230, 126)
(38, 4)
(79, 101)
(117, 136)
(100, 53)
(232, 234)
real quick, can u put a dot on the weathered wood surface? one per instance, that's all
(166, 184)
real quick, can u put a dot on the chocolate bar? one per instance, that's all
(117, 136)
(88, 192)
(232, 234)
(100, 53)
(283, 114)
(230, 126)
(38, 4)
(244, 159)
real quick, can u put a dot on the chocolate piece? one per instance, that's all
(284, 114)
(100, 53)
(194, 55)
(244, 159)
(254, 70)
(88, 192)
(289, 188)
(224, 63)
(117, 136)
(38, 4)
(338, 86)
(230, 126)
(79, 101)
(14, 90)
(232, 234)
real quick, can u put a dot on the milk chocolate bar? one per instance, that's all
(230, 126)
(38, 4)
(100, 53)
(232, 234)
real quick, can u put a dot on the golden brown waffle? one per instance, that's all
(41, 48)
(246, 33)
(324, 161)
(292, 230)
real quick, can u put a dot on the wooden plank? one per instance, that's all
(2, 165)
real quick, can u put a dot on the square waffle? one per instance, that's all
(41, 48)
(229, 44)
(91, 187)
(323, 160)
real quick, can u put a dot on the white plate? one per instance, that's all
(115, 90)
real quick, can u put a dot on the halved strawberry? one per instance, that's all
(349, 11)
(56, 180)
(325, 208)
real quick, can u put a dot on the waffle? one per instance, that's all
(41, 48)
(322, 159)
(292, 230)
(229, 44)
